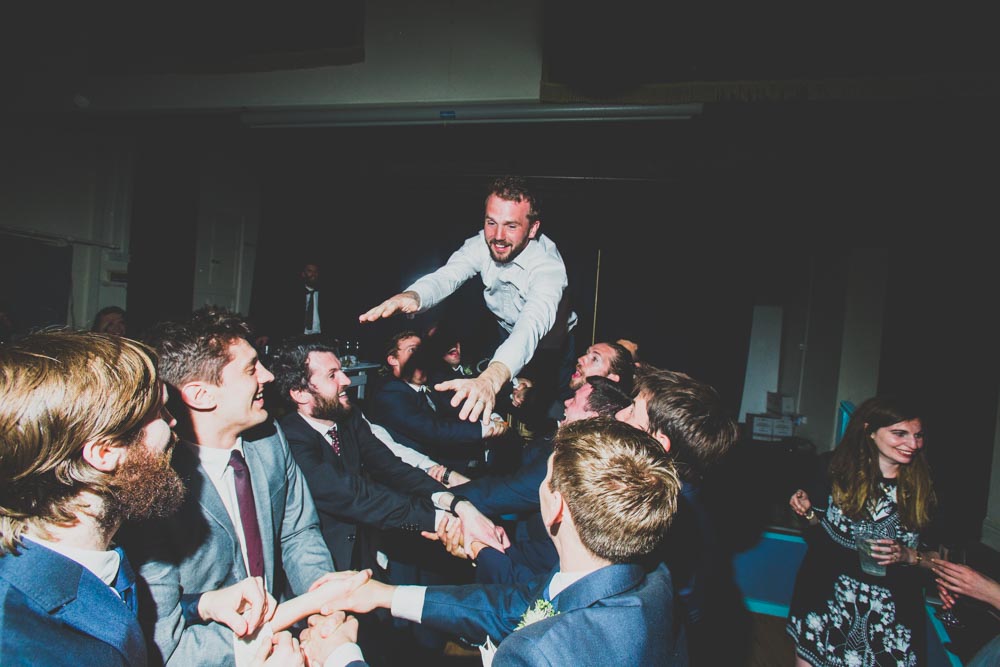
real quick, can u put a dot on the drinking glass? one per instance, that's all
(953, 553)
(864, 535)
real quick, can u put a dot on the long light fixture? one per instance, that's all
(465, 113)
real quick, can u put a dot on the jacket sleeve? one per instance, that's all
(505, 494)
(388, 468)
(396, 410)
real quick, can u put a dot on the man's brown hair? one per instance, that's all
(619, 485)
(61, 390)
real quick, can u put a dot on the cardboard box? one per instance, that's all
(780, 404)
(769, 428)
(783, 427)
(760, 427)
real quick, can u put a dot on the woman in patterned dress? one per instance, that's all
(878, 476)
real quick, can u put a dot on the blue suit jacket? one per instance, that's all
(615, 615)
(411, 421)
(53, 611)
(196, 549)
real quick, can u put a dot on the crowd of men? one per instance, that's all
(154, 511)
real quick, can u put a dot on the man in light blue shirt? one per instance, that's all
(524, 286)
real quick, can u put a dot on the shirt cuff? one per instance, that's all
(344, 655)
(408, 603)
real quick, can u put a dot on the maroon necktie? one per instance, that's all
(248, 513)
(334, 440)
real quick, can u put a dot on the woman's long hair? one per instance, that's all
(855, 472)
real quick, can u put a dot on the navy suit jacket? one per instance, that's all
(516, 493)
(366, 485)
(410, 420)
(615, 615)
(53, 611)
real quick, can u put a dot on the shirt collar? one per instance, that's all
(317, 426)
(215, 461)
(104, 564)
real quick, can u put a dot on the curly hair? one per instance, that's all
(516, 189)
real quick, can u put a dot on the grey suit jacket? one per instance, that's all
(197, 550)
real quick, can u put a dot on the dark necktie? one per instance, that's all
(248, 513)
(124, 583)
(308, 321)
(427, 394)
(334, 439)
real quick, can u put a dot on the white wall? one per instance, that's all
(415, 52)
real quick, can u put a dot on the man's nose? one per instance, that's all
(263, 375)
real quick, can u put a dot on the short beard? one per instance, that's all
(144, 486)
(576, 383)
(329, 410)
(511, 256)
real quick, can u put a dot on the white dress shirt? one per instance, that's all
(102, 564)
(523, 294)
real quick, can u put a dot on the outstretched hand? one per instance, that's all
(406, 302)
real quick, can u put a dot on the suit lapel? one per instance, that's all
(70, 592)
(598, 585)
(202, 490)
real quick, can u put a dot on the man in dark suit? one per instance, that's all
(293, 308)
(247, 521)
(608, 496)
(85, 444)
(355, 480)
(405, 407)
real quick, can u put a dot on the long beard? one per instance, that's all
(144, 487)
(329, 409)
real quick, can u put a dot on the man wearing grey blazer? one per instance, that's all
(212, 570)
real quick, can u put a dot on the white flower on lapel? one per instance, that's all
(542, 609)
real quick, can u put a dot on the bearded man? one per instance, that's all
(85, 445)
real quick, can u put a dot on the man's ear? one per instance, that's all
(392, 360)
(663, 440)
(557, 516)
(533, 229)
(198, 396)
(103, 454)
(615, 377)
(299, 396)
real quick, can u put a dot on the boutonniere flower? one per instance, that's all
(466, 371)
(542, 609)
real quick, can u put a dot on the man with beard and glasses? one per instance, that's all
(247, 523)
(85, 445)
(524, 286)
(358, 485)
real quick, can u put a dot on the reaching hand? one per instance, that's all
(328, 593)
(477, 528)
(281, 650)
(327, 633)
(242, 607)
(497, 427)
(478, 393)
(961, 579)
(407, 302)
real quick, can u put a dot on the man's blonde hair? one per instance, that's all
(61, 390)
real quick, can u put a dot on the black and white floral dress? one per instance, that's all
(840, 616)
